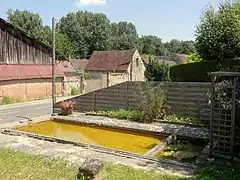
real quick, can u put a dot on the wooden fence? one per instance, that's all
(185, 99)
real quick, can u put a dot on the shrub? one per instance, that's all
(119, 114)
(156, 71)
(74, 91)
(152, 103)
(198, 72)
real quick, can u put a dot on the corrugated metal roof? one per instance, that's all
(17, 72)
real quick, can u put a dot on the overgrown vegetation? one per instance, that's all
(133, 115)
(152, 102)
(118, 114)
(182, 120)
(74, 91)
(9, 100)
(156, 71)
(184, 151)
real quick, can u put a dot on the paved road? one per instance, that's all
(16, 112)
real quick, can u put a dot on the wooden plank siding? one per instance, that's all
(185, 99)
(16, 47)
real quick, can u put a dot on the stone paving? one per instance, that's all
(77, 155)
(165, 128)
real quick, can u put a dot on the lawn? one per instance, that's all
(16, 165)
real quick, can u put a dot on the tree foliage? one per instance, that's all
(218, 34)
(79, 34)
(156, 71)
(89, 31)
(152, 45)
(194, 57)
(28, 21)
(124, 35)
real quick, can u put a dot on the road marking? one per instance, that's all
(11, 112)
(42, 107)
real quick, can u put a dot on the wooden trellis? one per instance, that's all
(224, 102)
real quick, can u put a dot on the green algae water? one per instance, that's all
(185, 151)
(113, 138)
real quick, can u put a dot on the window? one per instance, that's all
(137, 62)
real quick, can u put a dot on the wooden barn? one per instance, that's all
(25, 65)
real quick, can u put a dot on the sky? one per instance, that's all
(168, 19)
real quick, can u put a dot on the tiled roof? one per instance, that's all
(164, 58)
(79, 64)
(65, 66)
(182, 57)
(170, 63)
(17, 72)
(114, 60)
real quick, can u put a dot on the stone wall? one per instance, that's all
(117, 78)
(71, 82)
(30, 88)
(137, 68)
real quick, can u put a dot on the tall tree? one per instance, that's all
(124, 35)
(89, 31)
(152, 45)
(28, 21)
(218, 34)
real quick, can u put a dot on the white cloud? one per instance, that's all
(90, 2)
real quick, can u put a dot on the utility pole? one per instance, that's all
(53, 66)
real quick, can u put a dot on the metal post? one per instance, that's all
(53, 66)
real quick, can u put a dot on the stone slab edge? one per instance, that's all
(155, 150)
(101, 149)
(133, 126)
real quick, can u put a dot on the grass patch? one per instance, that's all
(134, 115)
(16, 165)
(117, 172)
(9, 100)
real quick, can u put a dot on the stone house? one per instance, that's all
(25, 65)
(72, 81)
(116, 66)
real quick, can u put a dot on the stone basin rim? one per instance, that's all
(99, 148)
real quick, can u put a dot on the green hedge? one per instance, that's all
(198, 72)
